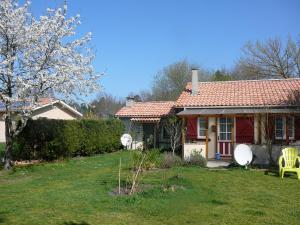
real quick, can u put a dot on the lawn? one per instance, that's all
(77, 192)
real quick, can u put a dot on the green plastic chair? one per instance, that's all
(288, 160)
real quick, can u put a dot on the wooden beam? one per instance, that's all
(183, 130)
(287, 138)
(216, 133)
(183, 135)
(232, 137)
(206, 138)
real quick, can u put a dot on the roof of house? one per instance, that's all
(145, 119)
(43, 102)
(152, 109)
(245, 93)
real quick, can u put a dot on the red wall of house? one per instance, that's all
(244, 130)
(192, 128)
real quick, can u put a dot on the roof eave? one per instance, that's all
(228, 106)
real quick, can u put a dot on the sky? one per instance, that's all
(134, 39)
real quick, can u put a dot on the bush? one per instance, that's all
(152, 158)
(168, 160)
(54, 139)
(196, 159)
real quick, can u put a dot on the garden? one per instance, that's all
(82, 190)
(81, 175)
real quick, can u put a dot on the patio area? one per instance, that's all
(217, 163)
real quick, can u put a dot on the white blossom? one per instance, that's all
(41, 56)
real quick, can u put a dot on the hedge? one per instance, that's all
(54, 139)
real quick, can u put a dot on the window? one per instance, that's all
(279, 128)
(290, 126)
(202, 127)
(283, 123)
(165, 134)
(225, 128)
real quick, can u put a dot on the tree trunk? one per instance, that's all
(172, 145)
(9, 142)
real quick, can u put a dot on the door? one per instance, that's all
(225, 128)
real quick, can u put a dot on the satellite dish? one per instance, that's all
(126, 140)
(243, 155)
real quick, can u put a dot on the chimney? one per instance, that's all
(194, 81)
(130, 101)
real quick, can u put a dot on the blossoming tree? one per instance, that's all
(39, 57)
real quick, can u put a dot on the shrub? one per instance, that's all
(169, 160)
(196, 159)
(53, 139)
(152, 158)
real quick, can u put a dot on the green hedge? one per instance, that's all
(54, 139)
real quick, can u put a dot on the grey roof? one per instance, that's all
(228, 111)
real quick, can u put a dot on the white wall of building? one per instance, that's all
(53, 112)
(2, 131)
(190, 148)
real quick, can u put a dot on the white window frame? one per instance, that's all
(227, 131)
(199, 128)
(284, 124)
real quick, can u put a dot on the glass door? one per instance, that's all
(225, 126)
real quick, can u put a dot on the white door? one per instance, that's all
(225, 125)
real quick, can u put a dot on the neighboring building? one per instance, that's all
(143, 120)
(47, 108)
(220, 115)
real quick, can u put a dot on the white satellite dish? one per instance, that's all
(126, 140)
(243, 155)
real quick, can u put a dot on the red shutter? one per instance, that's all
(192, 128)
(297, 128)
(244, 130)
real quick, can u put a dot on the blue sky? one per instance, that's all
(135, 39)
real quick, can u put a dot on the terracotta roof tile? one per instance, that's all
(146, 109)
(242, 93)
(45, 101)
(146, 119)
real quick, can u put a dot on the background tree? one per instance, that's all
(39, 57)
(106, 105)
(271, 59)
(221, 75)
(169, 83)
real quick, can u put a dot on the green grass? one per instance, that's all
(77, 192)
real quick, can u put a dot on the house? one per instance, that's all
(143, 120)
(219, 115)
(47, 108)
